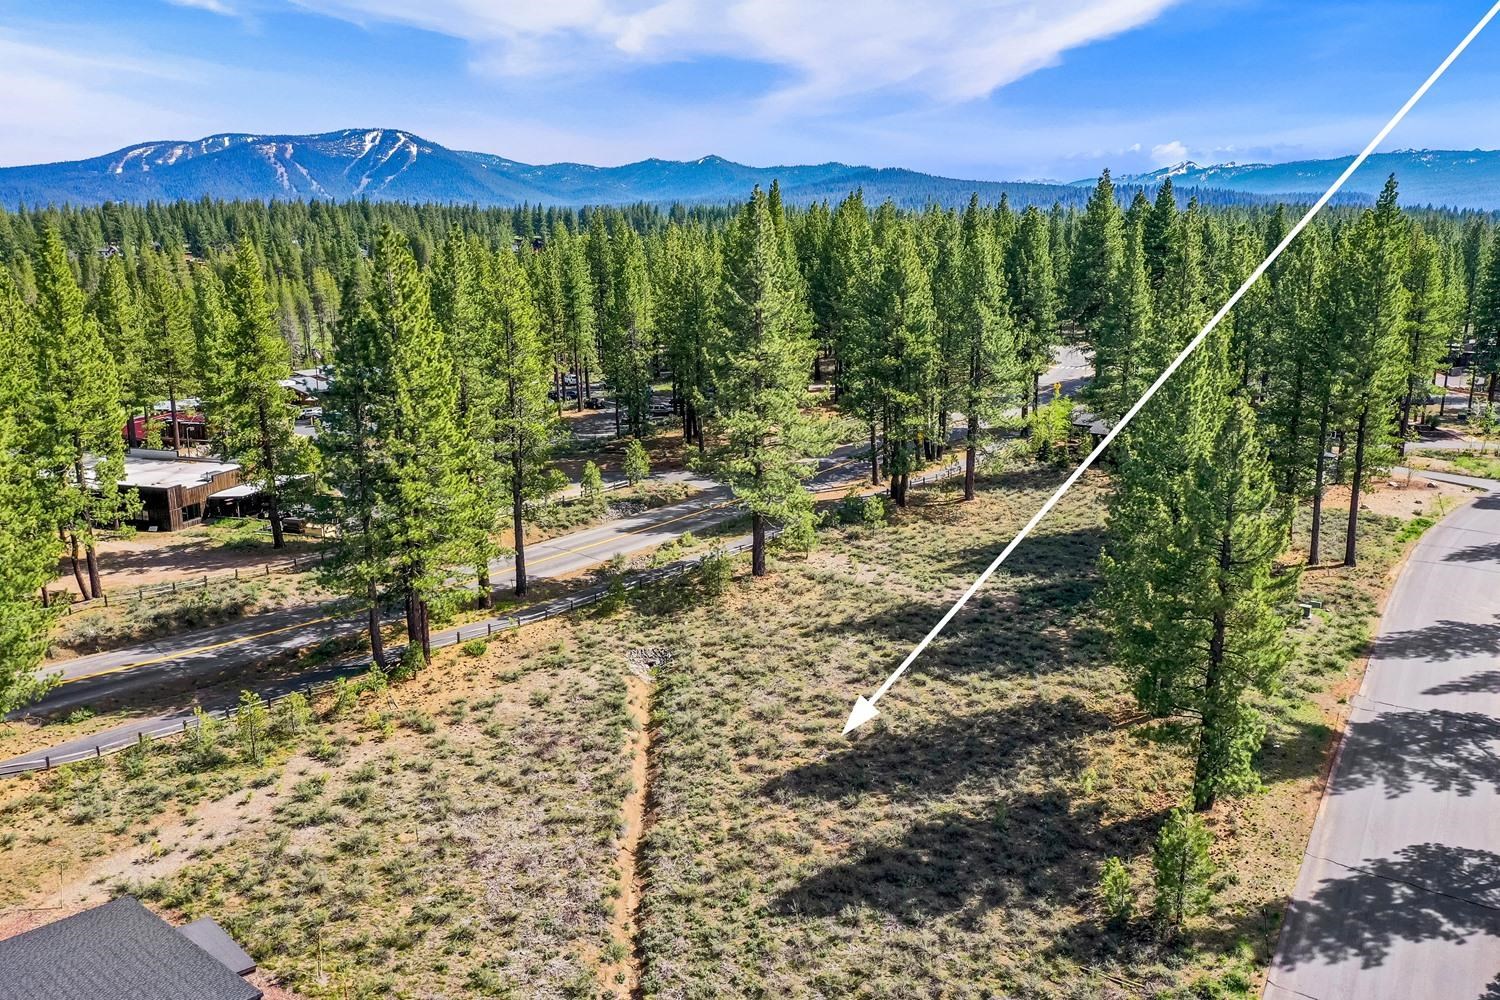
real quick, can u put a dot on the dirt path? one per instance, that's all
(622, 978)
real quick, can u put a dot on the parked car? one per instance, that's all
(594, 403)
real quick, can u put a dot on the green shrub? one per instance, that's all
(1183, 869)
(291, 716)
(637, 464)
(1116, 894)
(250, 724)
(591, 481)
(474, 647)
(716, 569)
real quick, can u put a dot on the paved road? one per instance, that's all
(1399, 894)
(92, 679)
(99, 678)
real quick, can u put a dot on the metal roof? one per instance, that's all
(160, 470)
(118, 951)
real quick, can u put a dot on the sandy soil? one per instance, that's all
(153, 557)
(1400, 496)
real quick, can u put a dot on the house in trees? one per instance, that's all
(175, 490)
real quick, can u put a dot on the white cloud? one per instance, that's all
(1168, 153)
(57, 99)
(212, 6)
(949, 50)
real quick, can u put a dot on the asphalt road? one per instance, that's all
(1399, 893)
(207, 655)
(114, 674)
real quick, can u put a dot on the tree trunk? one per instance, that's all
(1315, 542)
(971, 462)
(1036, 390)
(72, 542)
(874, 457)
(278, 538)
(413, 622)
(425, 621)
(486, 591)
(377, 641)
(517, 506)
(172, 415)
(1203, 797)
(91, 556)
(1359, 461)
(758, 544)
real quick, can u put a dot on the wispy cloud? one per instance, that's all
(945, 50)
(212, 6)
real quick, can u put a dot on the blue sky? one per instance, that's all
(998, 89)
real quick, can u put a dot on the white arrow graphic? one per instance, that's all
(864, 708)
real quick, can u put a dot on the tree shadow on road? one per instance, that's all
(1488, 552)
(1481, 682)
(1441, 641)
(1445, 751)
(1425, 892)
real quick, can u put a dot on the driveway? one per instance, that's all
(1399, 894)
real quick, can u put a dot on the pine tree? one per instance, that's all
(257, 417)
(1123, 336)
(1033, 299)
(984, 340)
(685, 318)
(1184, 871)
(1158, 233)
(579, 317)
(458, 306)
(1302, 369)
(899, 350)
(759, 433)
(1233, 533)
(1373, 270)
(79, 414)
(421, 434)
(1193, 534)
(116, 308)
(169, 336)
(520, 419)
(627, 333)
(1097, 256)
(28, 546)
(356, 465)
(1429, 321)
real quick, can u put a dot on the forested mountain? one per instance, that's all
(1438, 177)
(392, 165)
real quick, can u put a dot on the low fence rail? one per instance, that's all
(180, 725)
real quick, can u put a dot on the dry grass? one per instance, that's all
(469, 838)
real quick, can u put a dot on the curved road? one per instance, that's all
(1399, 893)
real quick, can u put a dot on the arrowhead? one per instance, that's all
(864, 711)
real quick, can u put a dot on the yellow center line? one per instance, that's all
(578, 551)
(199, 649)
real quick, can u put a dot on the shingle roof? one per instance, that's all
(118, 951)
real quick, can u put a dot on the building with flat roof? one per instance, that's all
(123, 951)
(174, 489)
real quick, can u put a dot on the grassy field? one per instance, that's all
(472, 833)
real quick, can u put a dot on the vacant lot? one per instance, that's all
(471, 833)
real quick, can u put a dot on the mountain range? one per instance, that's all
(1440, 177)
(391, 164)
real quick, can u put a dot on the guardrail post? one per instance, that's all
(47, 760)
(97, 753)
